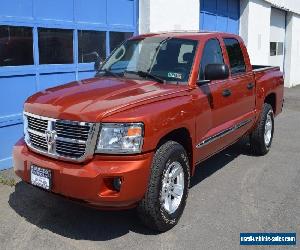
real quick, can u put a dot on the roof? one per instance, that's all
(185, 34)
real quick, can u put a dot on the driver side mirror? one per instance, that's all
(216, 72)
(98, 60)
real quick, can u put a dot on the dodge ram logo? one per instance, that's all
(50, 137)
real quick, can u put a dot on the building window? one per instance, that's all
(16, 46)
(276, 48)
(55, 46)
(116, 38)
(235, 54)
(273, 49)
(90, 42)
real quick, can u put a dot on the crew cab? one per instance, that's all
(132, 136)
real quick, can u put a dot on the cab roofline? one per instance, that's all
(182, 34)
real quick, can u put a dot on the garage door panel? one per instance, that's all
(210, 5)
(8, 137)
(86, 75)
(24, 9)
(222, 9)
(55, 79)
(14, 92)
(209, 22)
(221, 23)
(94, 12)
(233, 26)
(234, 8)
(120, 12)
(54, 10)
(220, 15)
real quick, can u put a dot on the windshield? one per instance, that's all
(166, 59)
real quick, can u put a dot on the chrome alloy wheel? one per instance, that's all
(268, 128)
(172, 187)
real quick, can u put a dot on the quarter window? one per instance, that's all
(235, 54)
(90, 42)
(16, 46)
(212, 54)
(55, 46)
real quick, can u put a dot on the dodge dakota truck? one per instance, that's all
(132, 136)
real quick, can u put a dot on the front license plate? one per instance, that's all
(40, 177)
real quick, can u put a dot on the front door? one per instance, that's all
(218, 104)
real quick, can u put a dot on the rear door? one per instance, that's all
(241, 82)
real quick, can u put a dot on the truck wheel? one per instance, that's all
(165, 199)
(261, 138)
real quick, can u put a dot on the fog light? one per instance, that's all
(117, 182)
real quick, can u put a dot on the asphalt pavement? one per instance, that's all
(233, 192)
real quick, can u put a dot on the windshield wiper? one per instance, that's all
(145, 74)
(108, 72)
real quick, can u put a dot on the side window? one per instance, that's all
(212, 54)
(235, 54)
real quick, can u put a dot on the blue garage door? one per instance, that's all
(220, 15)
(44, 43)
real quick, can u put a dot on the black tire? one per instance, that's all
(257, 137)
(151, 210)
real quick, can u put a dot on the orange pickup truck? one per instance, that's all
(133, 135)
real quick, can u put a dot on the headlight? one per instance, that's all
(120, 138)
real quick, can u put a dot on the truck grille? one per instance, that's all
(60, 139)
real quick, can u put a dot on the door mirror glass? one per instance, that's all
(216, 72)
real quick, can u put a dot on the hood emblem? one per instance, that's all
(50, 137)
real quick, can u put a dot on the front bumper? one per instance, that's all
(91, 182)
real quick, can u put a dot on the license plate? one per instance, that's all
(40, 177)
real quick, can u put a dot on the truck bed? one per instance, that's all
(257, 68)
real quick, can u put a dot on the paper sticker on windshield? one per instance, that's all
(175, 75)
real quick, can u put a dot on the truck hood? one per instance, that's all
(95, 98)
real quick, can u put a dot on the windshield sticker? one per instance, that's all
(175, 75)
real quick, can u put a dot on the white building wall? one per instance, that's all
(255, 29)
(288, 5)
(168, 15)
(292, 58)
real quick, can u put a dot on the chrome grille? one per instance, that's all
(37, 124)
(73, 131)
(66, 149)
(61, 139)
(38, 141)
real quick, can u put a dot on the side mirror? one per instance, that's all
(216, 72)
(98, 60)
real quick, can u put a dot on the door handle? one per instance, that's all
(226, 93)
(250, 86)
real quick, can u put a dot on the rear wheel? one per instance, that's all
(167, 192)
(261, 138)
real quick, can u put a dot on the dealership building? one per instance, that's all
(44, 43)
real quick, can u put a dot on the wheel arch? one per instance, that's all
(271, 99)
(183, 137)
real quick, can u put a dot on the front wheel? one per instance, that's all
(261, 138)
(167, 192)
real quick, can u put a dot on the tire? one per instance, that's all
(260, 142)
(154, 210)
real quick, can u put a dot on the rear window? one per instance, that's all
(235, 54)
